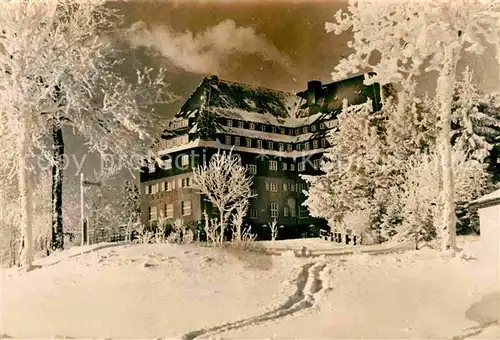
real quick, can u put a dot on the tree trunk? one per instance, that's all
(222, 226)
(445, 85)
(25, 198)
(57, 186)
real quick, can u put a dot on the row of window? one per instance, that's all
(287, 212)
(273, 186)
(291, 131)
(252, 168)
(259, 144)
(167, 186)
(167, 164)
(273, 166)
(168, 211)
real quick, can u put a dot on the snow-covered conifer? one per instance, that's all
(415, 36)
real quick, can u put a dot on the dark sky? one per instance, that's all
(276, 44)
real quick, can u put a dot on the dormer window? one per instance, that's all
(229, 122)
(313, 128)
(262, 127)
(315, 144)
(305, 129)
(228, 140)
(259, 144)
(289, 147)
(306, 146)
(282, 131)
(252, 126)
(270, 145)
(241, 124)
(322, 126)
(297, 131)
(273, 129)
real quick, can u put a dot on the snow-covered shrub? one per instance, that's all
(144, 234)
(274, 229)
(211, 229)
(237, 219)
(358, 223)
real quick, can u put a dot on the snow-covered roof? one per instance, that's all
(249, 103)
(490, 199)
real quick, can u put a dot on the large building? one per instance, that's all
(278, 135)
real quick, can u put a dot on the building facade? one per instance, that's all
(277, 135)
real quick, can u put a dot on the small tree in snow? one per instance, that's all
(409, 37)
(210, 228)
(237, 219)
(225, 183)
(274, 229)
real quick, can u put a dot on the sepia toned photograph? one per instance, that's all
(250, 169)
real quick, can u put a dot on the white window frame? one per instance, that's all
(146, 190)
(270, 145)
(237, 141)
(272, 186)
(317, 163)
(241, 124)
(273, 165)
(186, 182)
(248, 142)
(168, 164)
(252, 169)
(254, 192)
(282, 131)
(323, 143)
(313, 128)
(305, 129)
(169, 210)
(303, 213)
(263, 127)
(293, 211)
(292, 167)
(274, 210)
(230, 122)
(315, 144)
(185, 160)
(285, 166)
(168, 186)
(253, 213)
(281, 147)
(322, 126)
(153, 216)
(186, 208)
(163, 186)
(151, 167)
(299, 147)
(252, 126)
(307, 146)
(285, 186)
(301, 166)
(289, 147)
(259, 144)
(273, 129)
(227, 140)
(285, 211)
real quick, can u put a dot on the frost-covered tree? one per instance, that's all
(355, 170)
(395, 39)
(419, 194)
(58, 72)
(238, 217)
(225, 183)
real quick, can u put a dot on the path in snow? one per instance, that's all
(309, 285)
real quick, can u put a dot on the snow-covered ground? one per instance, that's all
(150, 291)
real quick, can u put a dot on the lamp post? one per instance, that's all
(84, 183)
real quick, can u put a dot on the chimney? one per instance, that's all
(313, 92)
